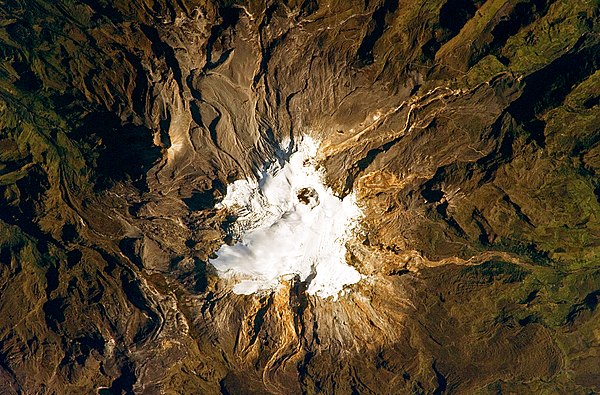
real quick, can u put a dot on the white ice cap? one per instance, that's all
(289, 223)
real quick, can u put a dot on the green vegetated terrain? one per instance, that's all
(105, 237)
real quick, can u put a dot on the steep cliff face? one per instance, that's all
(467, 130)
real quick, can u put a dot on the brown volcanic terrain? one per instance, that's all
(468, 129)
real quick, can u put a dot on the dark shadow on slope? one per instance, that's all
(547, 88)
(377, 25)
(123, 153)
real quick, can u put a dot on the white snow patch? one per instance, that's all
(289, 223)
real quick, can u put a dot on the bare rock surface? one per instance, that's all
(467, 130)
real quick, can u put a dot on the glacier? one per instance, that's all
(289, 224)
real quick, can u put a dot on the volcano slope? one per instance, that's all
(466, 130)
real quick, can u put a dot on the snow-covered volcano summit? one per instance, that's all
(289, 224)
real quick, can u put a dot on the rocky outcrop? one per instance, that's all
(467, 129)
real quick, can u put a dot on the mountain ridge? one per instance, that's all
(467, 129)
